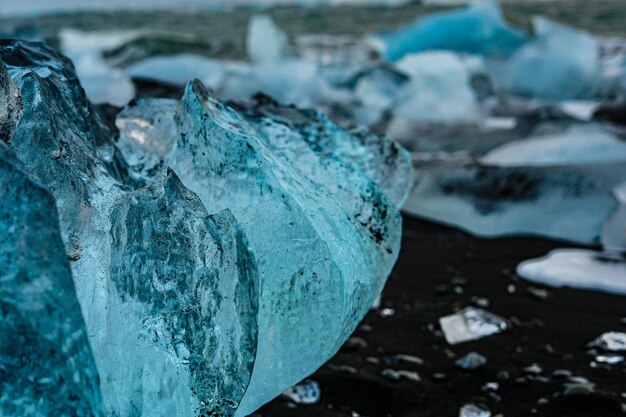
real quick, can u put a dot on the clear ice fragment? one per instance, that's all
(305, 392)
(471, 324)
(472, 410)
(610, 341)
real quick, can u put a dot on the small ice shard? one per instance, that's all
(305, 392)
(399, 374)
(472, 410)
(578, 268)
(46, 364)
(609, 359)
(561, 63)
(579, 144)
(471, 361)
(266, 43)
(179, 69)
(478, 29)
(471, 324)
(102, 83)
(147, 134)
(610, 341)
(438, 91)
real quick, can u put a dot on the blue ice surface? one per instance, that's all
(477, 29)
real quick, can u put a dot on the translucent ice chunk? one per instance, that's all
(471, 410)
(560, 63)
(266, 42)
(305, 392)
(168, 293)
(438, 91)
(471, 324)
(562, 202)
(477, 29)
(147, 134)
(578, 268)
(47, 368)
(319, 250)
(611, 341)
(579, 144)
(10, 105)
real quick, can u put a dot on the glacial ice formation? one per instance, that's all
(477, 29)
(565, 202)
(220, 252)
(438, 91)
(587, 269)
(579, 144)
(560, 63)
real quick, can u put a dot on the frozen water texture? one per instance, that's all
(131, 249)
(560, 63)
(102, 83)
(438, 91)
(470, 324)
(477, 29)
(611, 342)
(266, 42)
(233, 331)
(579, 144)
(472, 410)
(563, 202)
(241, 158)
(471, 361)
(46, 365)
(578, 268)
(305, 392)
(147, 135)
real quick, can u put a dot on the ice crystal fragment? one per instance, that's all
(193, 281)
(321, 249)
(471, 324)
(305, 392)
(46, 365)
(472, 410)
(169, 294)
(147, 135)
(471, 361)
(214, 302)
(266, 42)
(611, 341)
(477, 29)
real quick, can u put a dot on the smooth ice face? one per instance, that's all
(478, 29)
(577, 268)
(471, 324)
(562, 202)
(266, 43)
(560, 63)
(309, 245)
(579, 144)
(168, 293)
(46, 365)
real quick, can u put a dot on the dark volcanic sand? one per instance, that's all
(551, 332)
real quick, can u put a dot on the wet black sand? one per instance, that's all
(551, 332)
